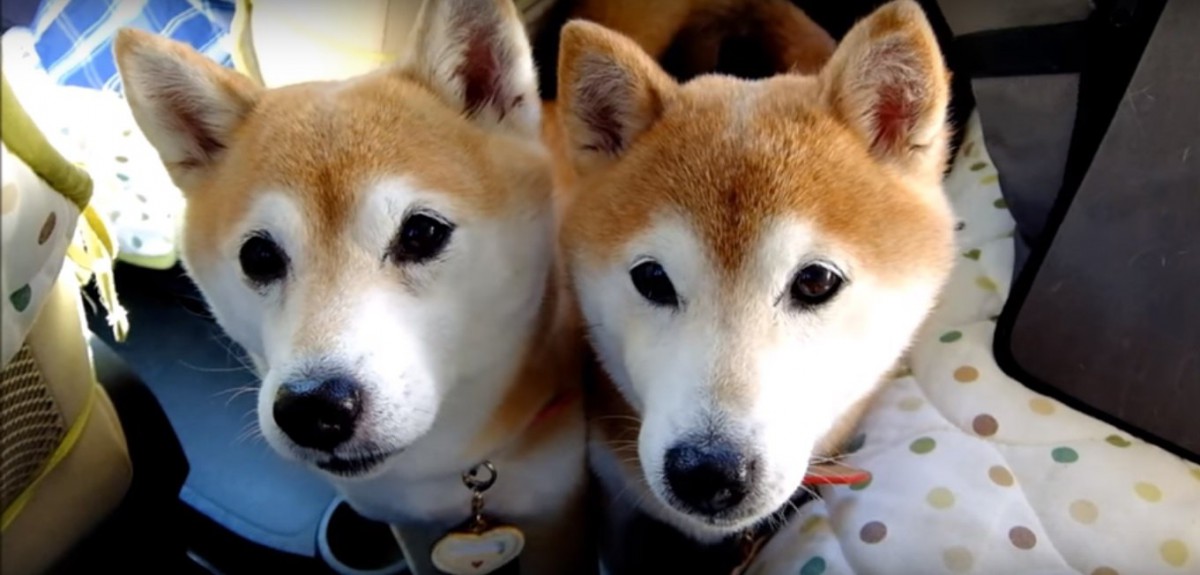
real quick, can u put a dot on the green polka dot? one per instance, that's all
(950, 336)
(986, 283)
(969, 149)
(814, 566)
(1117, 441)
(137, 242)
(861, 485)
(122, 159)
(989, 179)
(972, 254)
(923, 445)
(20, 298)
(1065, 455)
(856, 443)
(978, 166)
(126, 133)
(122, 177)
(1000, 204)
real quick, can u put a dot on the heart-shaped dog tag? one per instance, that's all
(466, 553)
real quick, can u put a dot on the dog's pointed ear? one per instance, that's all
(186, 105)
(610, 93)
(888, 82)
(476, 56)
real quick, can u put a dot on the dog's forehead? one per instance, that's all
(328, 145)
(735, 158)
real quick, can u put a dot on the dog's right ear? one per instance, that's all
(610, 93)
(186, 104)
(476, 56)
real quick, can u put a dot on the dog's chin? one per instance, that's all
(712, 529)
(355, 467)
(706, 529)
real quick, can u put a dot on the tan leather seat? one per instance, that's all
(64, 463)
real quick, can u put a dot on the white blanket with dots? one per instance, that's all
(974, 473)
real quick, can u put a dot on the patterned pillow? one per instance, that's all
(73, 38)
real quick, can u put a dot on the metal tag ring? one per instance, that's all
(475, 483)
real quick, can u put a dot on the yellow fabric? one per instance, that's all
(64, 449)
(91, 471)
(73, 499)
(244, 58)
(94, 257)
(26, 141)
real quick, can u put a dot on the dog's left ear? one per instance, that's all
(887, 81)
(475, 55)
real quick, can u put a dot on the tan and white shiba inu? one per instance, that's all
(750, 258)
(383, 249)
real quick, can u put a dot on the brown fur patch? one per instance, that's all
(730, 156)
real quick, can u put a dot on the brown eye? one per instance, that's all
(263, 261)
(421, 238)
(814, 285)
(651, 280)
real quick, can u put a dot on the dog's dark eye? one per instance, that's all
(421, 238)
(814, 285)
(652, 282)
(262, 260)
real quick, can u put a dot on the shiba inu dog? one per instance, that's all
(383, 249)
(750, 258)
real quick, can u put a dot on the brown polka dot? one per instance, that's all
(985, 425)
(966, 374)
(10, 196)
(1104, 571)
(1041, 406)
(1022, 537)
(1084, 511)
(1000, 475)
(958, 559)
(873, 532)
(47, 228)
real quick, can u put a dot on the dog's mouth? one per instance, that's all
(354, 466)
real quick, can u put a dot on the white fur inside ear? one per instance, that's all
(888, 82)
(895, 86)
(476, 55)
(185, 108)
(603, 106)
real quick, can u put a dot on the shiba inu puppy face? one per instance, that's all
(377, 245)
(753, 257)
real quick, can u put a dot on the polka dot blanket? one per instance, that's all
(974, 473)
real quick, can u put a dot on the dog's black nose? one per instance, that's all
(318, 414)
(708, 478)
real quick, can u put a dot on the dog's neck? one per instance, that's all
(498, 411)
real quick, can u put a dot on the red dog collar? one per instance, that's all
(835, 474)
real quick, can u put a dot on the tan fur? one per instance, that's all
(323, 145)
(855, 150)
(802, 158)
